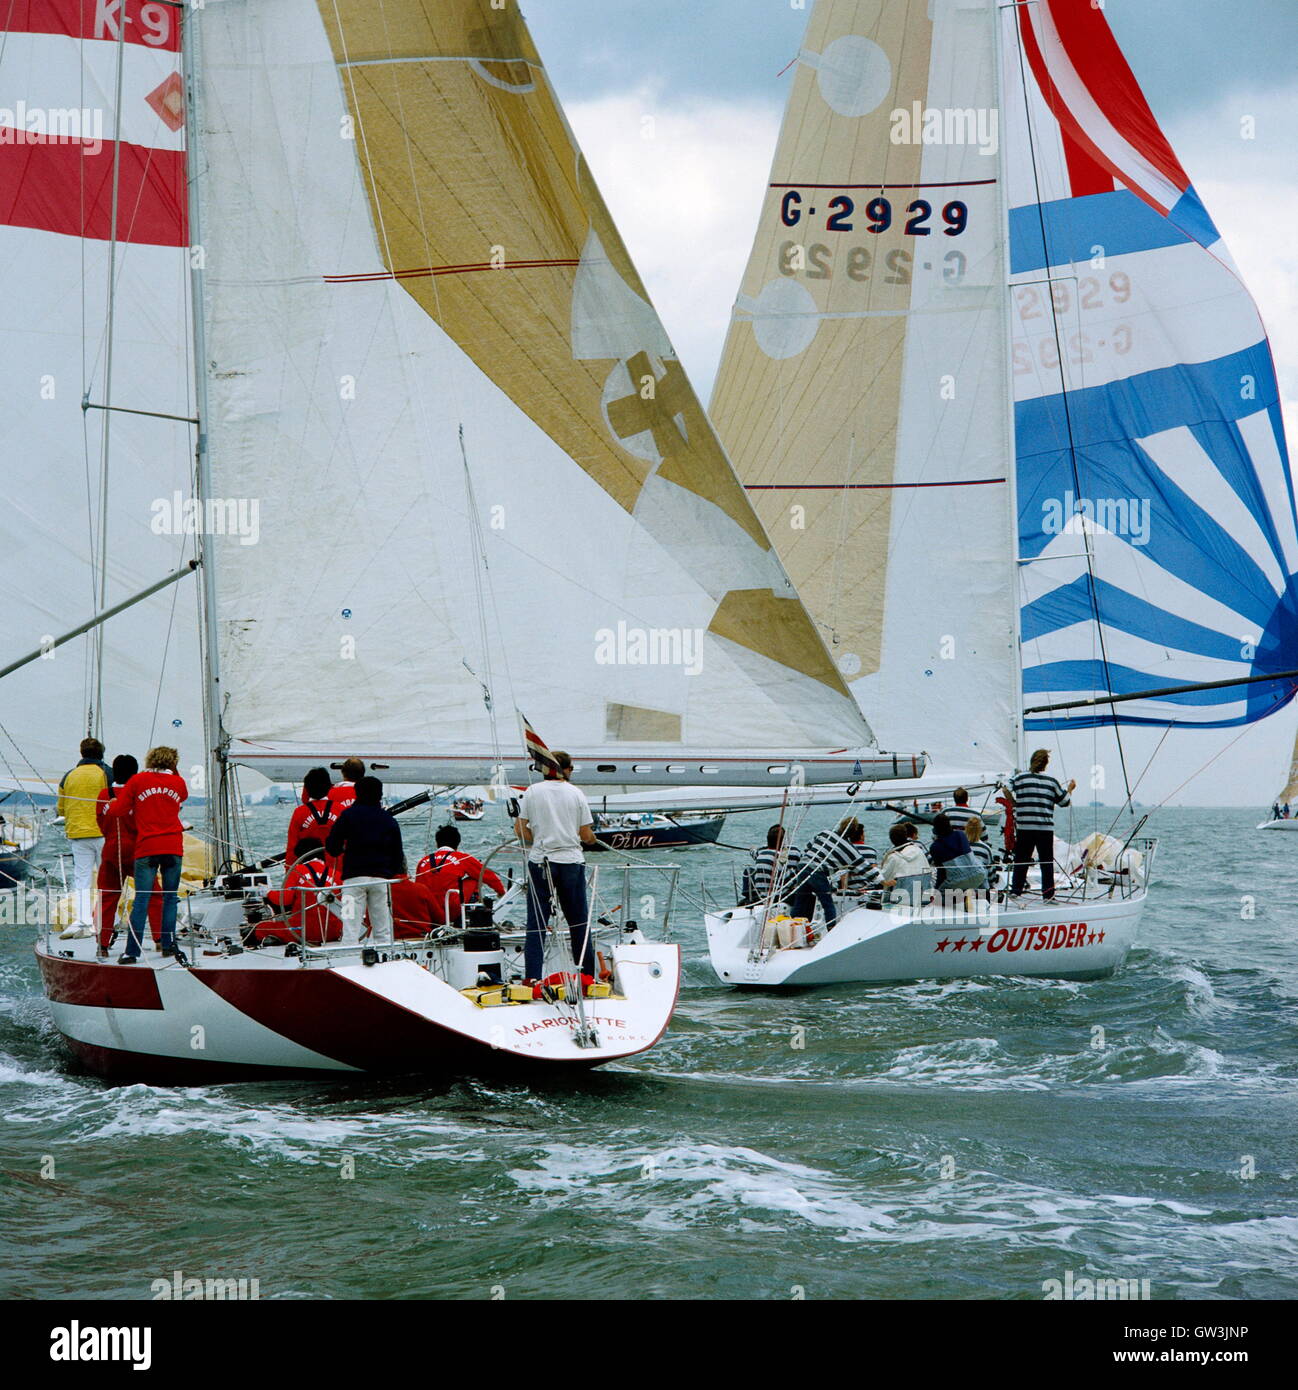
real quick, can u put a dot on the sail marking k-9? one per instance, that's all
(1156, 509)
(69, 154)
(405, 241)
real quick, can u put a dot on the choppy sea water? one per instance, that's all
(957, 1140)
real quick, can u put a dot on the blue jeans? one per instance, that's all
(813, 889)
(167, 868)
(569, 882)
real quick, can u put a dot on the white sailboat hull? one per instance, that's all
(1290, 824)
(261, 1014)
(1058, 940)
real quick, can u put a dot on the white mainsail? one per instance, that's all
(70, 153)
(863, 394)
(405, 249)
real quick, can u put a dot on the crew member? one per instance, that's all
(343, 794)
(118, 861)
(961, 813)
(78, 795)
(828, 853)
(414, 909)
(1035, 794)
(777, 860)
(555, 821)
(303, 902)
(152, 800)
(454, 876)
(368, 838)
(315, 816)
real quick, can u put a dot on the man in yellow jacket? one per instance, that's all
(78, 792)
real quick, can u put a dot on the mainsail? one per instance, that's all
(93, 186)
(864, 390)
(484, 479)
(1156, 508)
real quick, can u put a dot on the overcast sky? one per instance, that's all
(686, 201)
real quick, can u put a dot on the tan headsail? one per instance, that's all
(862, 394)
(1289, 796)
(810, 384)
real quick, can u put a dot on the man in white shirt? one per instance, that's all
(555, 822)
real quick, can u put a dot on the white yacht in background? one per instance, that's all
(982, 380)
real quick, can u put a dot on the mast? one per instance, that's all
(218, 819)
(1011, 459)
(96, 721)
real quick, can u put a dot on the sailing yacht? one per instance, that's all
(327, 321)
(1284, 810)
(1010, 415)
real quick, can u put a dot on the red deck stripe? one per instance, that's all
(59, 186)
(149, 23)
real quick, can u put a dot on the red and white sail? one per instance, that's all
(69, 153)
(1156, 510)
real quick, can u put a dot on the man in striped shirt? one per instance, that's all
(824, 860)
(961, 813)
(774, 860)
(1035, 795)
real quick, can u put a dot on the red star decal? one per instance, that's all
(961, 944)
(1090, 940)
(975, 943)
(168, 101)
(943, 944)
(1100, 936)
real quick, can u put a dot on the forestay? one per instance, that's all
(404, 243)
(863, 394)
(1156, 510)
(62, 171)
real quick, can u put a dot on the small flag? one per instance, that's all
(534, 745)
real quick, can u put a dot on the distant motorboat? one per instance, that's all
(658, 829)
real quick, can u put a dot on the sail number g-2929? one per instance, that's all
(841, 215)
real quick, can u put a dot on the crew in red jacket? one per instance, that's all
(314, 818)
(151, 800)
(454, 876)
(118, 861)
(304, 912)
(343, 794)
(414, 909)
